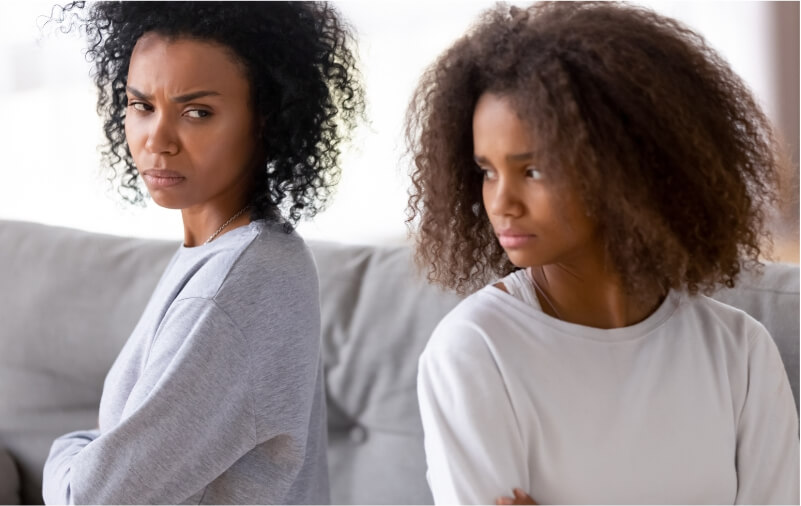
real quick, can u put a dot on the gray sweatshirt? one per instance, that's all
(217, 396)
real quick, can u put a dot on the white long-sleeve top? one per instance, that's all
(691, 405)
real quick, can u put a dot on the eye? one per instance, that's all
(488, 173)
(140, 106)
(534, 173)
(198, 113)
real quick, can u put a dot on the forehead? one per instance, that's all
(497, 125)
(178, 64)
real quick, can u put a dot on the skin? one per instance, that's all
(518, 497)
(191, 130)
(544, 227)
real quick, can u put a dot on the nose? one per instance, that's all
(502, 198)
(161, 137)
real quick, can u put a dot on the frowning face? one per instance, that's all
(537, 222)
(190, 123)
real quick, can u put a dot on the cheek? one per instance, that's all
(243, 143)
(576, 216)
(229, 145)
(543, 203)
(134, 144)
(134, 135)
(487, 198)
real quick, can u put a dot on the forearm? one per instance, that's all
(58, 471)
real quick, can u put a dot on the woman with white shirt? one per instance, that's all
(593, 170)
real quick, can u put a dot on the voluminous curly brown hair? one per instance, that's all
(663, 142)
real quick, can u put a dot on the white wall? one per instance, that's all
(49, 167)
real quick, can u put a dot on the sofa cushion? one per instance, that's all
(68, 301)
(377, 315)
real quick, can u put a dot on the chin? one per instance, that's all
(164, 201)
(518, 258)
(524, 259)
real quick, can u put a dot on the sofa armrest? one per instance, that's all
(9, 479)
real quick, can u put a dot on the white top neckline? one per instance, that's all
(521, 297)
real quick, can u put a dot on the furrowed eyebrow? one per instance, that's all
(181, 99)
(138, 94)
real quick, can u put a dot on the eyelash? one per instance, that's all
(205, 113)
(133, 105)
(539, 175)
(486, 172)
(148, 108)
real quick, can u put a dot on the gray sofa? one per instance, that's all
(68, 300)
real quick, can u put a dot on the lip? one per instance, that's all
(514, 239)
(162, 178)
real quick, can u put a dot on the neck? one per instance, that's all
(590, 294)
(201, 223)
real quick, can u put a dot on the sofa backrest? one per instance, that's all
(69, 299)
(377, 316)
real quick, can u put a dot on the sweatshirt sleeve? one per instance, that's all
(767, 431)
(189, 417)
(473, 444)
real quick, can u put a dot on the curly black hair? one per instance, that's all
(306, 89)
(664, 143)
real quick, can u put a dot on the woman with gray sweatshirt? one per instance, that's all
(232, 113)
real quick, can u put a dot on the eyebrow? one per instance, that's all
(516, 157)
(181, 99)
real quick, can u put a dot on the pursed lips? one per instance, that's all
(513, 238)
(162, 177)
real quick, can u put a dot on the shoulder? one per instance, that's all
(477, 310)
(281, 248)
(272, 293)
(468, 357)
(192, 324)
(273, 250)
(468, 330)
(274, 266)
(263, 278)
(730, 337)
(711, 317)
